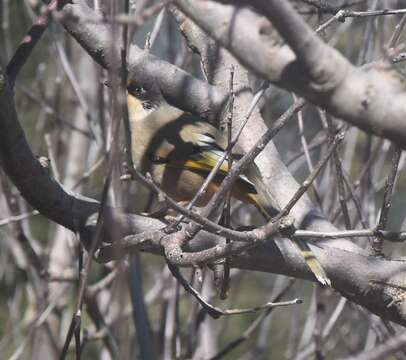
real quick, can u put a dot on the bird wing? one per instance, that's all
(207, 151)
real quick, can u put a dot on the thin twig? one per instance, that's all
(325, 6)
(111, 159)
(338, 172)
(391, 236)
(225, 284)
(253, 327)
(381, 351)
(309, 180)
(38, 321)
(315, 143)
(78, 347)
(73, 81)
(377, 244)
(217, 312)
(157, 27)
(17, 218)
(357, 183)
(49, 110)
(307, 154)
(398, 31)
(28, 43)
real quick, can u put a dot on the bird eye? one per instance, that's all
(137, 91)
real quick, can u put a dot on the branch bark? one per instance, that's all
(94, 35)
(372, 98)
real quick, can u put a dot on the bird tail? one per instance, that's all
(312, 262)
(264, 203)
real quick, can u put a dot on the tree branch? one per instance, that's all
(377, 284)
(372, 98)
(176, 85)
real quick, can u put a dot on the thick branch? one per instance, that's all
(28, 43)
(372, 98)
(377, 284)
(94, 35)
(28, 174)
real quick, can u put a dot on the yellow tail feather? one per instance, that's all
(312, 262)
(308, 255)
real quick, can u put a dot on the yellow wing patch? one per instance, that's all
(198, 165)
(211, 159)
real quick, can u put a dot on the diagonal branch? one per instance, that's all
(27, 173)
(94, 35)
(28, 43)
(372, 98)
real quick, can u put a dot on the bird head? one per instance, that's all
(145, 101)
(148, 95)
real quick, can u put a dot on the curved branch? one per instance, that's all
(372, 98)
(30, 176)
(94, 35)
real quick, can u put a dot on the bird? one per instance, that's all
(179, 150)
